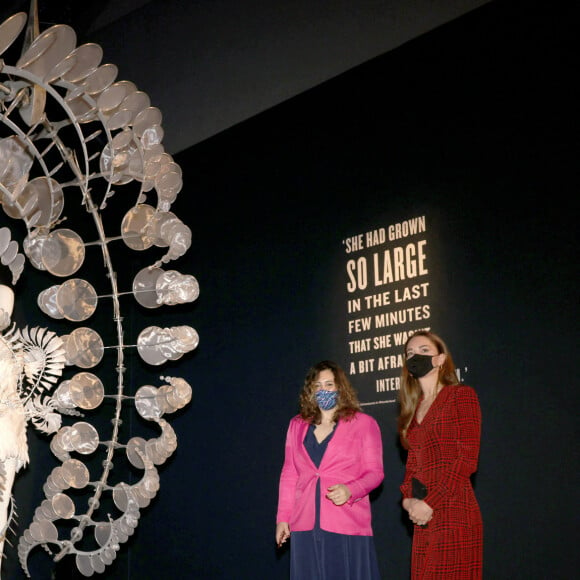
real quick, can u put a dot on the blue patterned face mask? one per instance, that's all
(326, 399)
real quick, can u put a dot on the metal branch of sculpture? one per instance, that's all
(73, 133)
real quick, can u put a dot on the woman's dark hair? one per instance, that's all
(348, 404)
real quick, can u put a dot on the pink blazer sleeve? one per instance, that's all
(288, 476)
(371, 465)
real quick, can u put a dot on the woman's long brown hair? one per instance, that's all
(348, 404)
(411, 392)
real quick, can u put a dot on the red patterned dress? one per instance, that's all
(443, 452)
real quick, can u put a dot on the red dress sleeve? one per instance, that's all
(460, 439)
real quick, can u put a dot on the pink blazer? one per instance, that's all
(354, 457)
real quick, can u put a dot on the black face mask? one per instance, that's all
(420, 364)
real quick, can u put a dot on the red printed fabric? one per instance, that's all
(443, 453)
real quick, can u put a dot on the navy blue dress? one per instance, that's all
(321, 555)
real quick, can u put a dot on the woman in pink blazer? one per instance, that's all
(333, 460)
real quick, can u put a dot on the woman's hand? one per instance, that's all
(282, 533)
(338, 494)
(419, 512)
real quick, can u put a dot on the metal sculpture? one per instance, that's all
(73, 133)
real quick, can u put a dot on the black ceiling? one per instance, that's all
(210, 64)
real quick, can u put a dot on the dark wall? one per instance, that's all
(475, 127)
(472, 126)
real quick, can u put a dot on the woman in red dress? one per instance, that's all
(440, 425)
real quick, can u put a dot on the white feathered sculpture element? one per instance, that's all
(31, 362)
